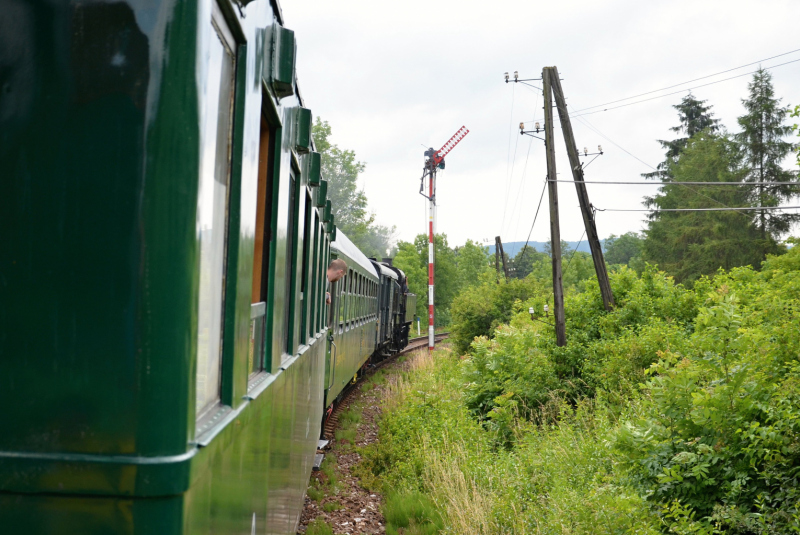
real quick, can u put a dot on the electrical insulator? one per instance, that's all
(537, 126)
(585, 151)
(516, 76)
(506, 76)
(600, 149)
(521, 127)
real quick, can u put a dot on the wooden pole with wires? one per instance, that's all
(552, 188)
(497, 257)
(583, 195)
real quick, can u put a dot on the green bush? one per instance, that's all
(478, 310)
(678, 411)
(721, 420)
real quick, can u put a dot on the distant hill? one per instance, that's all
(512, 248)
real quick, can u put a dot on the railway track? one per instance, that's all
(329, 425)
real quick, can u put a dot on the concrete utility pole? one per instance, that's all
(583, 196)
(552, 188)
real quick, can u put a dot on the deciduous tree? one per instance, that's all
(348, 202)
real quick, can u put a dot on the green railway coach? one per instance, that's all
(353, 317)
(164, 240)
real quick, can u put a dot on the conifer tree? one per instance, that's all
(763, 142)
(694, 117)
(690, 244)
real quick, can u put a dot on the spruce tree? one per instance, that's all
(763, 142)
(694, 117)
(690, 244)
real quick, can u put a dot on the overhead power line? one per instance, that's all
(578, 114)
(687, 82)
(726, 209)
(651, 183)
(535, 217)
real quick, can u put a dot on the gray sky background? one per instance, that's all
(393, 76)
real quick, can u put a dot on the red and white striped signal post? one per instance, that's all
(435, 160)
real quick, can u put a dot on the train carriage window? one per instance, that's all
(315, 275)
(349, 305)
(290, 264)
(350, 299)
(305, 286)
(341, 297)
(212, 207)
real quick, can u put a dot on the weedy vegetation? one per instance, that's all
(676, 412)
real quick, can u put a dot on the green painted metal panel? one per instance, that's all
(279, 61)
(302, 132)
(328, 215)
(239, 260)
(322, 194)
(97, 222)
(314, 168)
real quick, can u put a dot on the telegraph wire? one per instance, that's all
(509, 177)
(679, 91)
(726, 209)
(690, 81)
(687, 183)
(522, 180)
(534, 219)
(575, 251)
(586, 123)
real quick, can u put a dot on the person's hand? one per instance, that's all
(328, 298)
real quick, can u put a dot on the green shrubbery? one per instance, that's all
(678, 411)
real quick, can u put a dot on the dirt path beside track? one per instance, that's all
(335, 494)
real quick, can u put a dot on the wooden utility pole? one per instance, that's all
(498, 246)
(497, 257)
(552, 189)
(583, 196)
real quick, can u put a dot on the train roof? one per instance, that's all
(386, 271)
(348, 249)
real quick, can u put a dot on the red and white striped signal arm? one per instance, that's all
(447, 147)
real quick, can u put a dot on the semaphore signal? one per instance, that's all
(434, 159)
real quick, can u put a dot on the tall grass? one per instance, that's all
(559, 478)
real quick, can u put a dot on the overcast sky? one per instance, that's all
(391, 77)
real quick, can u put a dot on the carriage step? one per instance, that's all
(322, 444)
(318, 458)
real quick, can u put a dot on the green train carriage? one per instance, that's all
(354, 317)
(165, 235)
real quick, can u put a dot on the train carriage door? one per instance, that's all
(256, 360)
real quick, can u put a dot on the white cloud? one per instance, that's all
(392, 76)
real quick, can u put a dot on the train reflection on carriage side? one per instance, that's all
(164, 354)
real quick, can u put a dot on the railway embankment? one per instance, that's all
(675, 412)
